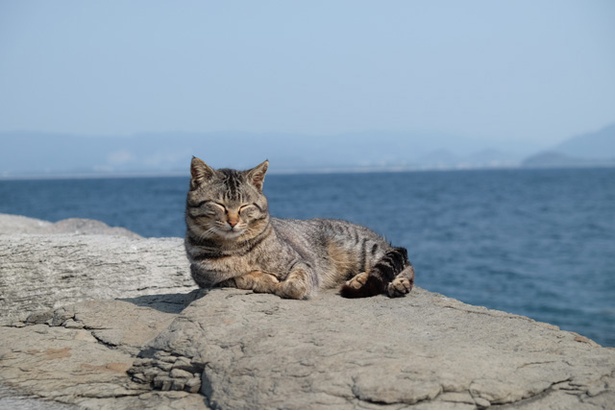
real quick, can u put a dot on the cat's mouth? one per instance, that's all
(232, 232)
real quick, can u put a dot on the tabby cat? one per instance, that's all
(231, 241)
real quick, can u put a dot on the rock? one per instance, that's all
(422, 351)
(9, 400)
(46, 271)
(87, 367)
(16, 224)
(12, 224)
(78, 355)
(85, 226)
(245, 350)
(107, 321)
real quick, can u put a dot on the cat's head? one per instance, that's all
(226, 204)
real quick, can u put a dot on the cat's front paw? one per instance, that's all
(264, 282)
(257, 281)
(296, 286)
(292, 290)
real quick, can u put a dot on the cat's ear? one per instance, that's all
(199, 172)
(256, 176)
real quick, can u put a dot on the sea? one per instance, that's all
(535, 242)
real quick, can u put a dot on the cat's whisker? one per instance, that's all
(206, 234)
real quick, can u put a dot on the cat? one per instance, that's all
(232, 241)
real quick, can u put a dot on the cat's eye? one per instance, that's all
(218, 206)
(246, 208)
(209, 207)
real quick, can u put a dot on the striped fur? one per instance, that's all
(231, 240)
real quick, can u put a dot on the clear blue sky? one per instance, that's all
(496, 70)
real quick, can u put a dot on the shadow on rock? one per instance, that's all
(167, 303)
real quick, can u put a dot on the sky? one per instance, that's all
(505, 71)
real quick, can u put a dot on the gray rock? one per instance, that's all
(87, 367)
(84, 226)
(14, 224)
(9, 400)
(46, 271)
(244, 350)
(422, 351)
(107, 321)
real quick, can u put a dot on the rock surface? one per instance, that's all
(120, 325)
(75, 260)
(423, 351)
(14, 224)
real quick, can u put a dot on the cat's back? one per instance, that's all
(319, 233)
(336, 249)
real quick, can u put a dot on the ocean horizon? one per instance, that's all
(76, 174)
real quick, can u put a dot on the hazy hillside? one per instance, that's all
(596, 145)
(590, 149)
(29, 154)
(40, 153)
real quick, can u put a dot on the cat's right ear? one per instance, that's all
(199, 172)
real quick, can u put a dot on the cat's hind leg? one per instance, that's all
(402, 284)
(357, 282)
(361, 285)
(392, 274)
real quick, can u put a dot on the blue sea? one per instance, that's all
(540, 243)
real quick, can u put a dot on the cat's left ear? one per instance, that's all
(256, 176)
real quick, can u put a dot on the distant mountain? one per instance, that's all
(597, 145)
(586, 150)
(44, 154)
(28, 154)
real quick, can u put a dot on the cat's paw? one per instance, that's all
(399, 287)
(295, 290)
(361, 285)
(263, 282)
(357, 281)
(257, 281)
(296, 286)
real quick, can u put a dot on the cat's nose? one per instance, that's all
(232, 220)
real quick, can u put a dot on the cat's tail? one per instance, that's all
(393, 274)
